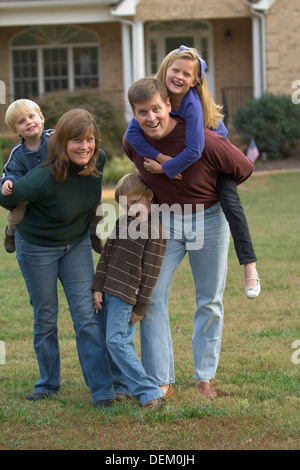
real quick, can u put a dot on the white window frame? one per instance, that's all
(40, 65)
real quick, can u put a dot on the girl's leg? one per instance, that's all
(234, 212)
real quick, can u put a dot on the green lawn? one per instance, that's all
(258, 375)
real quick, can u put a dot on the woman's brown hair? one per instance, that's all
(73, 124)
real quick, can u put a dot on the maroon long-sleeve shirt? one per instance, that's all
(199, 182)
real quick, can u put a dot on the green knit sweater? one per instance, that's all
(57, 213)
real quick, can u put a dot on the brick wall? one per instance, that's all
(283, 46)
(190, 9)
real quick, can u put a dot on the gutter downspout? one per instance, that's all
(259, 52)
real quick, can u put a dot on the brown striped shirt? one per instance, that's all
(130, 263)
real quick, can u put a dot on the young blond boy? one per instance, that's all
(125, 276)
(26, 120)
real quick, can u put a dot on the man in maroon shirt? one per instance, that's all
(199, 228)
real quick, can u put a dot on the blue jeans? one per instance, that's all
(209, 268)
(41, 267)
(126, 366)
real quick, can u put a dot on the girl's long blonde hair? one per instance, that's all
(211, 111)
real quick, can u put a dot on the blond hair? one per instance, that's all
(20, 106)
(132, 183)
(211, 111)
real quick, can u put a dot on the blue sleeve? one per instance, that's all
(14, 168)
(135, 137)
(221, 129)
(190, 111)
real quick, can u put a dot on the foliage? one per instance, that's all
(115, 168)
(5, 147)
(273, 121)
(110, 119)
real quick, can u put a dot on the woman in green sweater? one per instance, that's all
(53, 243)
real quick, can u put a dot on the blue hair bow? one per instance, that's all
(203, 65)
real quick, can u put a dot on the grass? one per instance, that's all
(257, 381)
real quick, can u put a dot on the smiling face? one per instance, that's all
(29, 124)
(180, 76)
(81, 149)
(153, 116)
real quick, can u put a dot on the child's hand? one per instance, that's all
(153, 166)
(136, 318)
(7, 188)
(98, 300)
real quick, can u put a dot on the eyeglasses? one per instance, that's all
(135, 202)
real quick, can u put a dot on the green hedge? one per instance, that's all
(273, 121)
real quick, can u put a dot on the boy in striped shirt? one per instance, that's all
(125, 276)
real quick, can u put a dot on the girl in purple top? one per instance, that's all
(183, 72)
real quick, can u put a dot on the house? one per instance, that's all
(251, 46)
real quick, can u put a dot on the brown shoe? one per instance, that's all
(169, 392)
(9, 242)
(206, 389)
(154, 404)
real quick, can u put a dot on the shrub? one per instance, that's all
(5, 148)
(273, 121)
(109, 117)
(115, 168)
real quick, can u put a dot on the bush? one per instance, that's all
(110, 119)
(6, 146)
(115, 168)
(273, 121)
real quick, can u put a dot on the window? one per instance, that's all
(54, 58)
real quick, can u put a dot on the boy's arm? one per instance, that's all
(98, 298)
(14, 168)
(6, 188)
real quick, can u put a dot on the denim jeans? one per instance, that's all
(41, 267)
(126, 366)
(234, 212)
(209, 269)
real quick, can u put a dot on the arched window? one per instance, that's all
(165, 36)
(54, 58)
